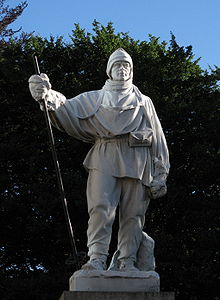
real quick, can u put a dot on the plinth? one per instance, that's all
(114, 285)
(116, 296)
(109, 281)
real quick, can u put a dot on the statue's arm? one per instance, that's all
(40, 88)
(65, 115)
(159, 156)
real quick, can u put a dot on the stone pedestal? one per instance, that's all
(114, 285)
(114, 281)
(116, 296)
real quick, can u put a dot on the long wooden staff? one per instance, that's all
(58, 173)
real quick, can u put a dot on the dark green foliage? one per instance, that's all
(33, 238)
(7, 16)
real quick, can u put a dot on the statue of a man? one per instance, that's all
(128, 163)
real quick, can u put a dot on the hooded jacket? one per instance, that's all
(122, 124)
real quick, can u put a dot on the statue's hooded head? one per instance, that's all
(119, 55)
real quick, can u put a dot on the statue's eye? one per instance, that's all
(126, 65)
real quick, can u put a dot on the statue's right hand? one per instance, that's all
(39, 86)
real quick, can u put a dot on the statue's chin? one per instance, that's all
(120, 79)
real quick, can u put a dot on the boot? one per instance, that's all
(127, 265)
(95, 263)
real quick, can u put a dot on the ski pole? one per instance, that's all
(58, 172)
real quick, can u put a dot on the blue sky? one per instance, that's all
(193, 22)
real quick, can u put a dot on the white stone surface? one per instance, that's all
(128, 163)
(113, 281)
(71, 295)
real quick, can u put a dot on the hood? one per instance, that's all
(119, 55)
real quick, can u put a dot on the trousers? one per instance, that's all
(104, 194)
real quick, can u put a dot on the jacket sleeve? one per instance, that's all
(71, 115)
(159, 154)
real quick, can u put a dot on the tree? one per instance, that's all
(34, 242)
(8, 16)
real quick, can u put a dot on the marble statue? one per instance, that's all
(128, 163)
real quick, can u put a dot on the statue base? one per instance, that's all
(114, 281)
(116, 296)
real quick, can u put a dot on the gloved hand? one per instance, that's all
(39, 86)
(158, 187)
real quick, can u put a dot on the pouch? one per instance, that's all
(142, 138)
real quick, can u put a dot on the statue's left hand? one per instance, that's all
(158, 187)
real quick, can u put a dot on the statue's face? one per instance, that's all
(121, 71)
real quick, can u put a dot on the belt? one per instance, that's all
(116, 138)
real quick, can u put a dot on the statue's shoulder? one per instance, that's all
(91, 96)
(146, 100)
(88, 95)
(92, 93)
(142, 98)
(86, 103)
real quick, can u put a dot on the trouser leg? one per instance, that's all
(133, 205)
(103, 193)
